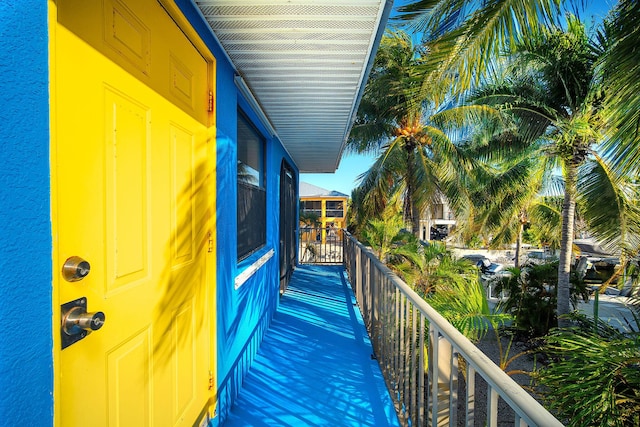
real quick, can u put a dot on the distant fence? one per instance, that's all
(319, 245)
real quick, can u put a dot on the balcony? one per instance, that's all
(335, 213)
(354, 345)
(314, 366)
(316, 212)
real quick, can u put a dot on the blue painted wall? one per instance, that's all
(26, 378)
(244, 313)
(26, 330)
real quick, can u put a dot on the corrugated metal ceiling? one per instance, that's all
(305, 64)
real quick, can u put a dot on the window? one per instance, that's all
(312, 207)
(334, 209)
(252, 195)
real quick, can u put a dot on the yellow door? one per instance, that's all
(133, 196)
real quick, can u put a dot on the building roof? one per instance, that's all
(304, 65)
(309, 190)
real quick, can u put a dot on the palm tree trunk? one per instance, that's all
(519, 244)
(416, 221)
(566, 245)
(413, 217)
(408, 208)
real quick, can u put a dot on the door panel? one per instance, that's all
(288, 210)
(126, 137)
(128, 372)
(133, 194)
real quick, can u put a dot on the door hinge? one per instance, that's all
(210, 243)
(210, 102)
(211, 380)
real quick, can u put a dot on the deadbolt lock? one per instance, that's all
(75, 268)
(77, 323)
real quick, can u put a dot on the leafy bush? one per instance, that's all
(593, 378)
(532, 293)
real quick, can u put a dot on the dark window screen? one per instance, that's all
(252, 197)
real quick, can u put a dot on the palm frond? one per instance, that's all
(622, 82)
(610, 205)
(471, 315)
(593, 378)
(476, 36)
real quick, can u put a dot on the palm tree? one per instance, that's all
(545, 226)
(553, 99)
(593, 377)
(506, 191)
(513, 187)
(452, 286)
(415, 153)
(383, 232)
(609, 199)
(466, 38)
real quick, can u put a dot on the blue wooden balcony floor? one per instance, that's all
(314, 367)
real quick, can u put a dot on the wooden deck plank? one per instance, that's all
(314, 367)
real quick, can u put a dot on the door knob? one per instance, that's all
(75, 268)
(76, 322)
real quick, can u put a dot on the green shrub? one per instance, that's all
(593, 378)
(532, 294)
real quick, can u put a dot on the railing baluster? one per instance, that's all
(414, 363)
(358, 274)
(401, 378)
(471, 395)
(453, 389)
(407, 357)
(369, 289)
(387, 331)
(321, 246)
(396, 343)
(492, 407)
(434, 372)
(382, 314)
(421, 360)
(376, 307)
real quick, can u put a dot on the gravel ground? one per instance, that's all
(525, 363)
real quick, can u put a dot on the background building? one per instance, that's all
(330, 207)
(436, 221)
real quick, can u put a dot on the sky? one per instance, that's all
(345, 178)
(351, 166)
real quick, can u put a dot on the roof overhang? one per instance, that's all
(303, 64)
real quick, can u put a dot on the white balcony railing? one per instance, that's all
(318, 245)
(418, 352)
